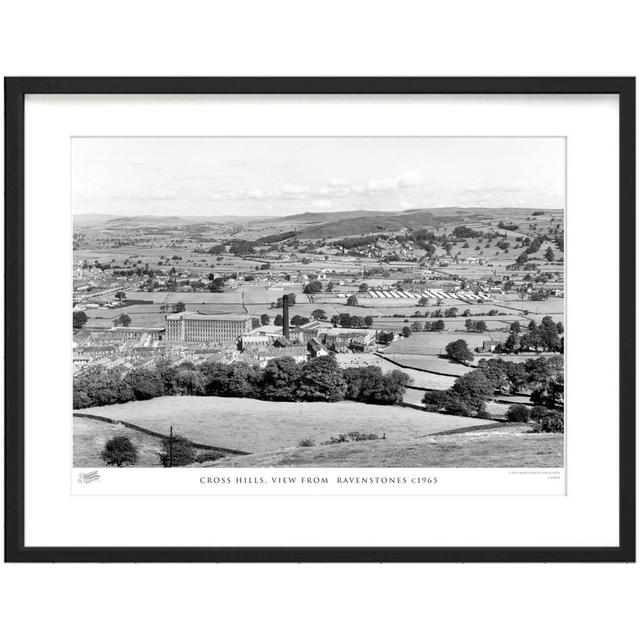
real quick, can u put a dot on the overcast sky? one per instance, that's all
(283, 176)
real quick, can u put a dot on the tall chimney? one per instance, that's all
(285, 316)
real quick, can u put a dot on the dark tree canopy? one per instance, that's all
(177, 452)
(119, 451)
(458, 350)
(79, 319)
(315, 286)
(123, 320)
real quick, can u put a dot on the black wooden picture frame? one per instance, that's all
(15, 91)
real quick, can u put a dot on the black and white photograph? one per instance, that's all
(359, 309)
(318, 302)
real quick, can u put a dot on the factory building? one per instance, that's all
(199, 327)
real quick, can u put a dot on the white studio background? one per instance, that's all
(332, 38)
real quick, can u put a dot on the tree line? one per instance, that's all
(283, 379)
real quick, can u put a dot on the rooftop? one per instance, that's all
(194, 315)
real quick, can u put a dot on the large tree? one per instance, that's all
(458, 350)
(280, 379)
(313, 287)
(177, 452)
(79, 319)
(123, 320)
(321, 379)
(119, 451)
(144, 383)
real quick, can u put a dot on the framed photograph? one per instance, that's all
(320, 319)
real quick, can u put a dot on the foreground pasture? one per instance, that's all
(504, 447)
(257, 426)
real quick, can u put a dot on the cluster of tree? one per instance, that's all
(348, 321)
(417, 327)
(547, 336)
(507, 226)
(355, 243)
(241, 247)
(539, 295)
(466, 232)
(283, 379)
(543, 377)
(385, 337)
(123, 320)
(176, 451)
(466, 397)
(438, 313)
(277, 237)
(315, 286)
(545, 420)
(535, 244)
(370, 385)
(476, 326)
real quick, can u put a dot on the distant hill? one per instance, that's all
(378, 223)
(332, 216)
(149, 220)
(382, 221)
(92, 219)
(96, 219)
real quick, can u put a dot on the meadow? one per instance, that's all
(90, 437)
(504, 446)
(434, 342)
(257, 426)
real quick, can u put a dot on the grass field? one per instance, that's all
(90, 436)
(418, 378)
(429, 363)
(501, 447)
(434, 342)
(258, 426)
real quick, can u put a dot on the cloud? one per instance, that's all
(164, 194)
(386, 184)
(293, 189)
(410, 179)
(223, 195)
(405, 180)
(338, 183)
(322, 204)
(256, 194)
